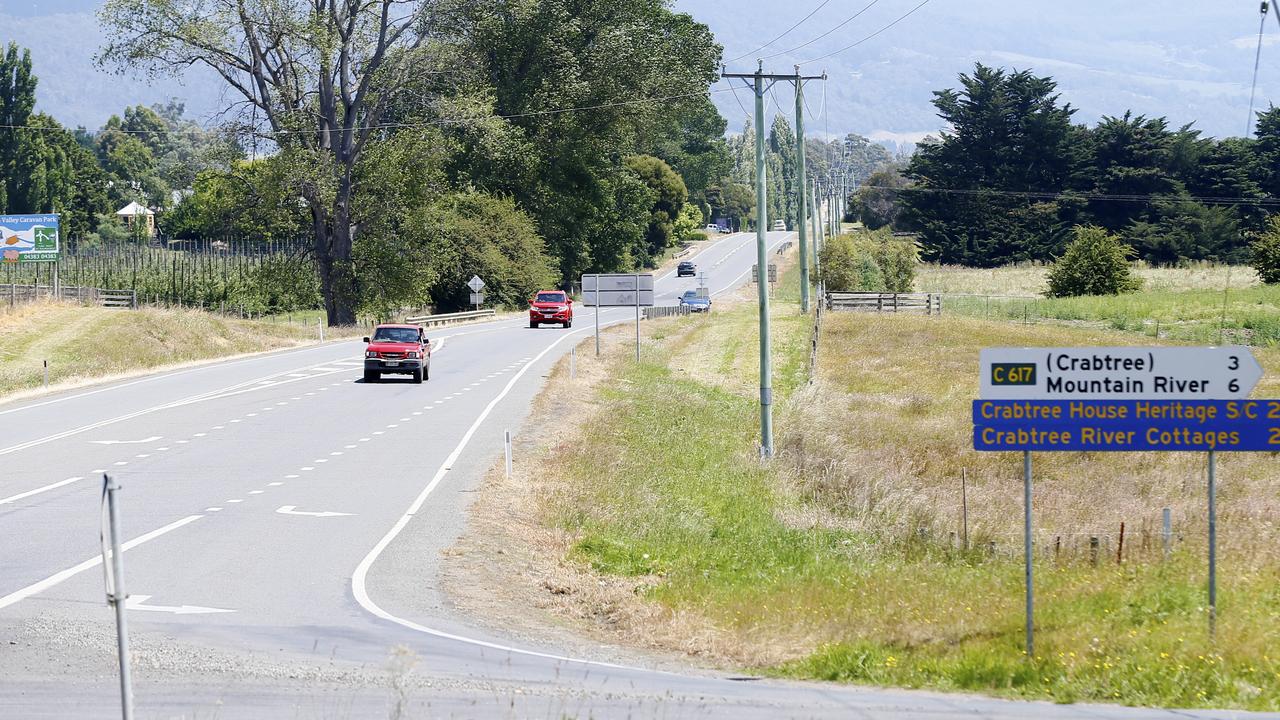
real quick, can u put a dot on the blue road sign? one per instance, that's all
(1127, 425)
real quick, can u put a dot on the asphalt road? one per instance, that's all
(272, 506)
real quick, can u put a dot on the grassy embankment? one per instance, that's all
(86, 342)
(1184, 304)
(837, 560)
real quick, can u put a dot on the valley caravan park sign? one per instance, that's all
(29, 238)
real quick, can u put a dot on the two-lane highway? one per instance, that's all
(265, 503)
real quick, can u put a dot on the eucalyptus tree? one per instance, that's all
(313, 78)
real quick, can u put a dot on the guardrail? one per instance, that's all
(446, 318)
(658, 311)
(928, 303)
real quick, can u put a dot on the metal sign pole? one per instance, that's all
(118, 597)
(1213, 546)
(597, 318)
(1026, 541)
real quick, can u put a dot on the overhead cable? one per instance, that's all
(837, 27)
(784, 34)
(904, 16)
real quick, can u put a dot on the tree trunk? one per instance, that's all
(333, 261)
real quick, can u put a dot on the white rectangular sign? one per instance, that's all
(617, 289)
(1118, 373)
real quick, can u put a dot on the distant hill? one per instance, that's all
(71, 87)
(1188, 61)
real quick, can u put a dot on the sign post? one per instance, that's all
(618, 290)
(1130, 399)
(476, 285)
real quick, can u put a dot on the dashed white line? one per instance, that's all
(213, 509)
(274, 484)
(142, 455)
(37, 491)
(199, 434)
(255, 492)
(290, 477)
(307, 468)
(236, 500)
(121, 462)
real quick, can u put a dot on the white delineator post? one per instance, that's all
(506, 449)
(117, 597)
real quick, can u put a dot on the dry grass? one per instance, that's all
(83, 343)
(1029, 279)
(886, 435)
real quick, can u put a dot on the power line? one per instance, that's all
(784, 34)
(837, 27)
(906, 15)
(1257, 59)
(410, 126)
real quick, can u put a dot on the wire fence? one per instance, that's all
(247, 277)
(1237, 324)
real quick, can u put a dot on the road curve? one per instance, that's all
(266, 502)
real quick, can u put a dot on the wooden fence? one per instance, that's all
(12, 294)
(927, 303)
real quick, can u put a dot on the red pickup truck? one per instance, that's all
(399, 350)
(551, 306)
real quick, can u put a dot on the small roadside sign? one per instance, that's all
(772, 270)
(476, 284)
(617, 290)
(477, 298)
(1118, 373)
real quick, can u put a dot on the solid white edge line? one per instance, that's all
(358, 588)
(37, 491)
(55, 579)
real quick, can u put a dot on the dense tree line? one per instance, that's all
(582, 133)
(1013, 175)
(851, 160)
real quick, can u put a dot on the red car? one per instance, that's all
(397, 350)
(551, 306)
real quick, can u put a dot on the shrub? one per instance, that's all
(1095, 263)
(1264, 253)
(871, 262)
(849, 264)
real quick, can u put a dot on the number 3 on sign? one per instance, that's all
(1235, 362)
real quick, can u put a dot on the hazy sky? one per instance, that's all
(1190, 60)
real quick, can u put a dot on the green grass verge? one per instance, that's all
(665, 488)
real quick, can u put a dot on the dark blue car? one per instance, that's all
(691, 300)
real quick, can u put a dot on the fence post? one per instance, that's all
(1093, 550)
(1166, 532)
(1120, 545)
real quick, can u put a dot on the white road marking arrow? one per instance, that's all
(135, 602)
(290, 510)
(153, 438)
